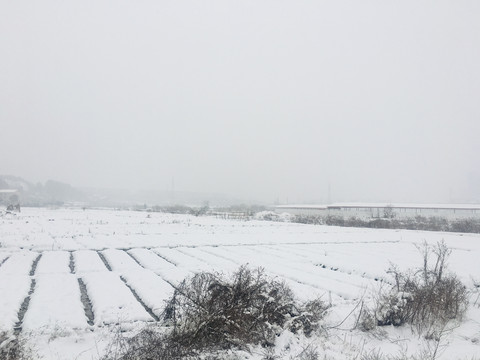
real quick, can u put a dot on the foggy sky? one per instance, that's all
(268, 100)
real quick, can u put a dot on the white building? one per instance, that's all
(382, 210)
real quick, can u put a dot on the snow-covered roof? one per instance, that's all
(408, 206)
(383, 205)
(8, 191)
(299, 206)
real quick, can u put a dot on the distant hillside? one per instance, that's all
(57, 193)
(15, 182)
(50, 193)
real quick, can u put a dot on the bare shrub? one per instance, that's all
(335, 220)
(366, 320)
(309, 219)
(208, 312)
(13, 348)
(427, 297)
(476, 292)
(430, 350)
(374, 354)
(148, 344)
(308, 353)
(269, 354)
(393, 309)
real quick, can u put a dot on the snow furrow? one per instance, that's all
(150, 287)
(19, 263)
(183, 260)
(104, 260)
(308, 274)
(302, 290)
(71, 263)
(112, 302)
(119, 260)
(286, 271)
(13, 291)
(372, 263)
(87, 304)
(53, 306)
(215, 263)
(139, 299)
(278, 256)
(3, 259)
(53, 262)
(88, 261)
(150, 260)
(34, 264)
(24, 307)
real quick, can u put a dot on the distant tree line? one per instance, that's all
(182, 209)
(434, 223)
(248, 210)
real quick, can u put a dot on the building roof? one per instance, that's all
(8, 191)
(408, 206)
(299, 206)
(383, 205)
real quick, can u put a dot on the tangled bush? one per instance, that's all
(148, 344)
(209, 312)
(13, 348)
(273, 216)
(426, 298)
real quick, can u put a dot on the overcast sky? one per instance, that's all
(267, 100)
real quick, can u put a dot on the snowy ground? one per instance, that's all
(126, 263)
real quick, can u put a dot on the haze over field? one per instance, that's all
(270, 100)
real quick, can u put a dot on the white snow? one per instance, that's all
(148, 253)
(112, 301)
(53, 262)
(19, 263)
(151, 288)
(55, 303)
(13, 290)
(164, 268)
(87, 261)
(119, 260)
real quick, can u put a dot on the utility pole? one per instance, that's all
(329, 193)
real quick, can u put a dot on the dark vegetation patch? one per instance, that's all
(34, 265)
(181, 209)
(24, 307)
(104, 260)
(3, 261)
(13, 347)
(209, 312)
(71, 263)
(87, 304)
(470, 225)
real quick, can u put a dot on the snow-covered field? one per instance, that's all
(87, 274)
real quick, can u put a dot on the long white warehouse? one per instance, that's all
(381, 210)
